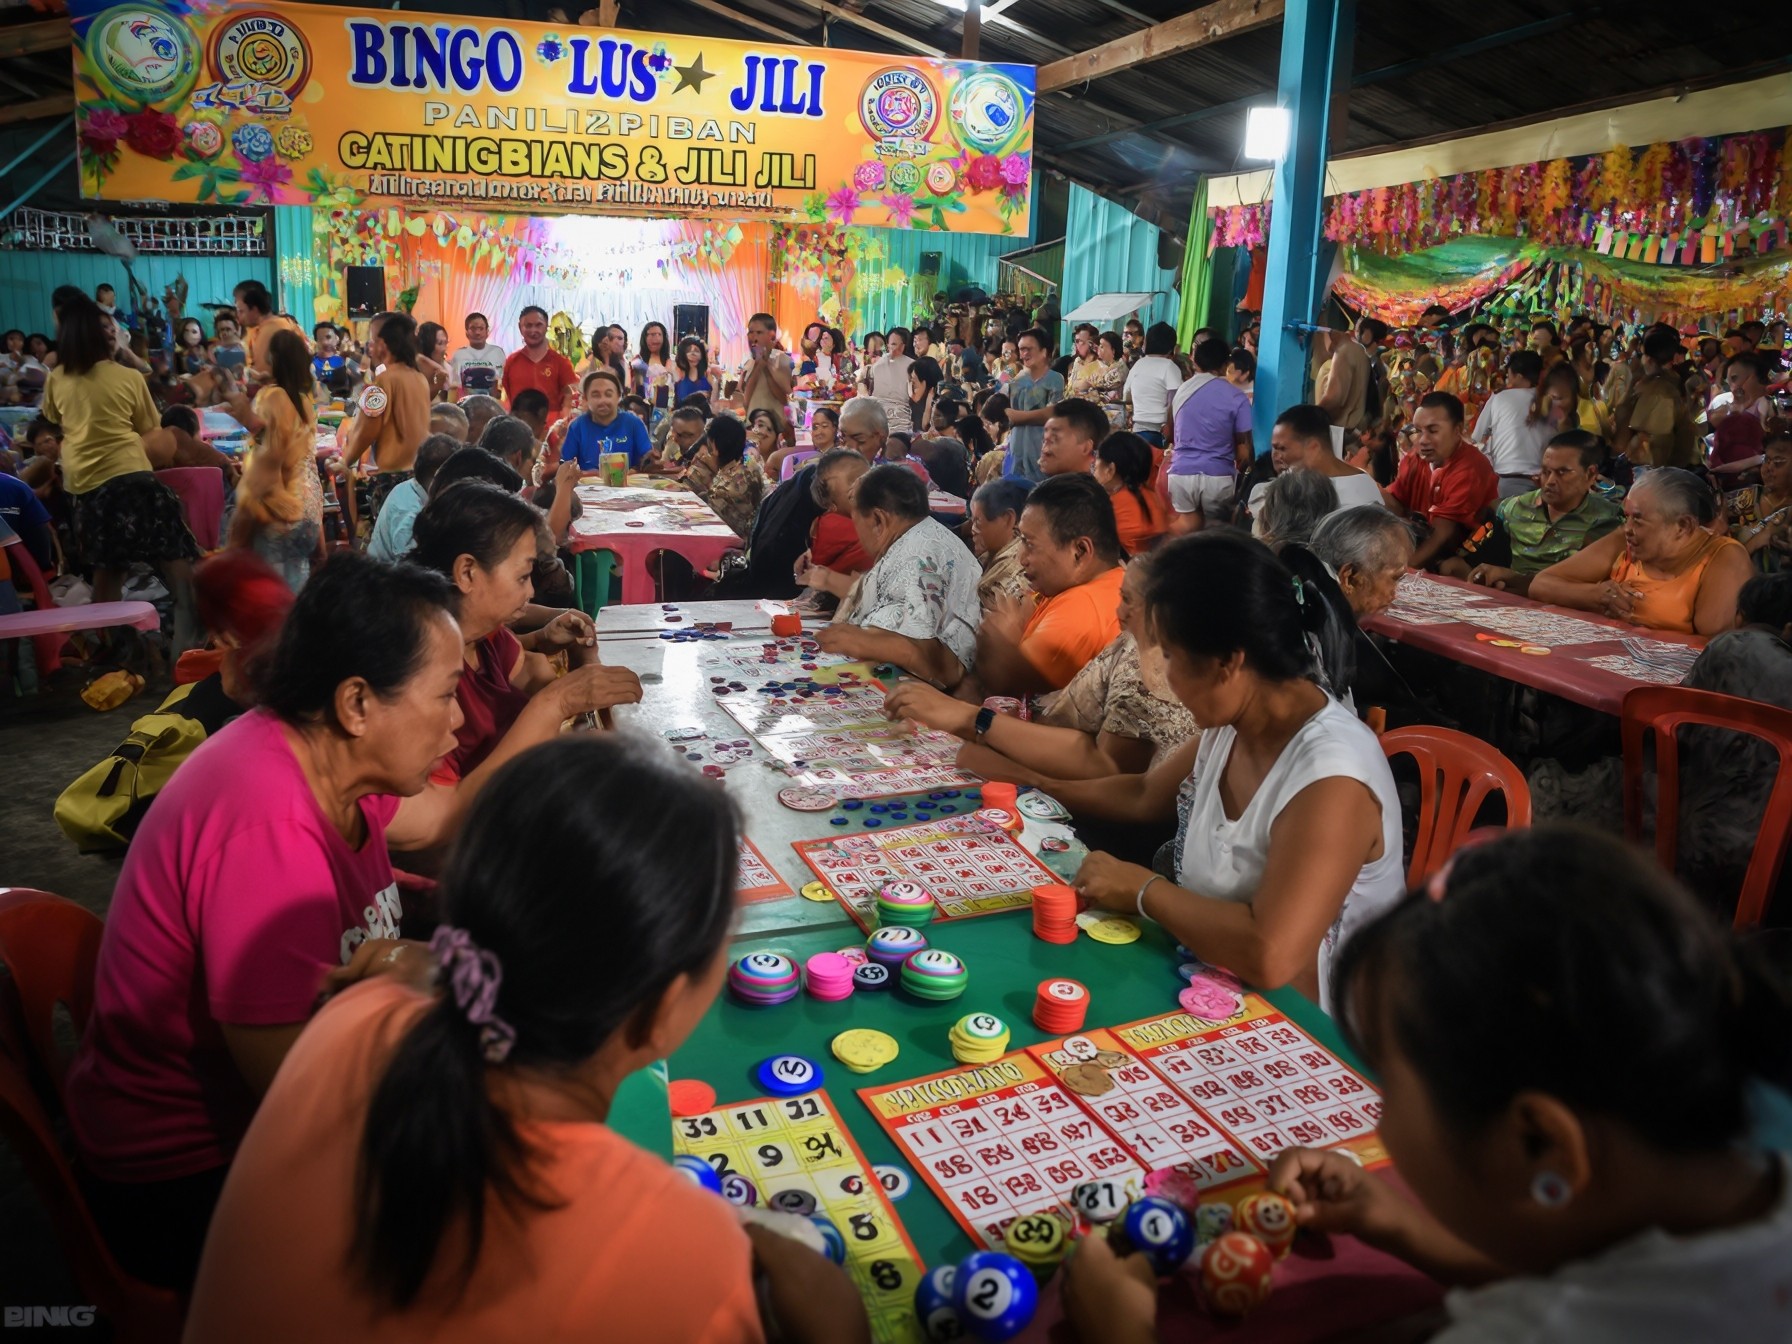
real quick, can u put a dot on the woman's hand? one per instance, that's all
(1109, 884)
(813, 1300)
(405, 958)
(1616, 600)
(595, 686)
(1330, 1193)
(931, 708)
(838, 638)
(814, 576)
(569, 629)
(1107, 1297)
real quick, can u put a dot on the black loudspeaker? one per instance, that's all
(366, 287)
(690, 319)
(930, 264)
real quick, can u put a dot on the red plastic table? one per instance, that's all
(635, 523)
(1566, 670)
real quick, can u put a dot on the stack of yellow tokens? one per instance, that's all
(864, 1051)
(979, 1038)
(1108, 928)
(1038, 1242)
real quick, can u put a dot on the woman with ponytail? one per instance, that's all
(1571, 1055)
(437, 1165)
(1289, 825)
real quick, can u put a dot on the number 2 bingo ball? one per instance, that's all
(994, 1294)
(1162, 1231)
(1269, 1218)
(1236, 1272)
(933, 1304)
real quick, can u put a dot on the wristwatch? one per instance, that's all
(985, 718)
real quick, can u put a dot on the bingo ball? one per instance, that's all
(933, 1304)
(1269, 1218)
(1212, 1221)
(994, 1294)
(699, 1172)
(1162, 1231)
(831, 1238)
(1236, 1273)
(1100, 1201)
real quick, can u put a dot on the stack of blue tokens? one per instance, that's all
(788, 1075)
(765, 978)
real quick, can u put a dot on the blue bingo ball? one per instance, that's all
(836, 1244)
(699, 1172)
(994, 1295)
(933, 1304)
(1162, 1230)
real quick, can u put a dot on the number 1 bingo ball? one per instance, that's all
(1236, 1272)
(994, 1294)
(933, 1304)
(1162, 1231)
(1269, 1218)
(699, 1171)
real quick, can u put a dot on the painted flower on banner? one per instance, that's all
(869, 175)
(843, 205)
(155, 135)
(293, 142)
(1016, 169)
(204, 138)
(253, 142)
(265, 176)
(984, 173)
(102, 130)
(901, 208)
(550, 49)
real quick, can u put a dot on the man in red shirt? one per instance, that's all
(1446, 482)
(538, 365)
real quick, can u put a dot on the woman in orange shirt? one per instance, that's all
(1123, 466)
(435, 1164)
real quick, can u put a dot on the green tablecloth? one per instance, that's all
(1006, 963)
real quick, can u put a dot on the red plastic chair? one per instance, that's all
(48, 946)
(1664, 710)
(1457, 773)
(24, 565)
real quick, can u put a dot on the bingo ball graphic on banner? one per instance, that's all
(262, 48)
(988, 111)
(898, 104)
(141, 54)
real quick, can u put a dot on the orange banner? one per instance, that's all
(295, 104)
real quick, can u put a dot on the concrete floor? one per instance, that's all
(47, 740)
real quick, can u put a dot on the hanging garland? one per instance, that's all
(1689, 203)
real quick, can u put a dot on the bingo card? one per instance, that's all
(801, 1158)
(970, 867)
(757, 879)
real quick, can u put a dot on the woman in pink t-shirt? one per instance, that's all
(437, 1164)
(485, 540)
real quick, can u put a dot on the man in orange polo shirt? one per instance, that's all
(1446, 482)
(1071, 554)
(538, 365)
(255, 314)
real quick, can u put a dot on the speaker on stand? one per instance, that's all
(366, 290)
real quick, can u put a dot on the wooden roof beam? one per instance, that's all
(1198, 28)
(25, 39)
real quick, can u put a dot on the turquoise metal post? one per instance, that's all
(1317, 39)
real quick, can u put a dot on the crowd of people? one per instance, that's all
(1101, 538)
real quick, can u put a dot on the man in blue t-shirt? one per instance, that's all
(604, 427)
(1031, 395)
(25, 514)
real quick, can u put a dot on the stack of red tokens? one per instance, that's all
(1054, 913)
(828, 976)
(1060, 1006)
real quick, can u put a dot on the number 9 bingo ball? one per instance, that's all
(994, 1294)
(1162, 1231)
(1269, 1218)
(1236, 1273)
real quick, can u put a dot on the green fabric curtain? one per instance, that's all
(1197, 271)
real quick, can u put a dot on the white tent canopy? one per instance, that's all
(1109, 307)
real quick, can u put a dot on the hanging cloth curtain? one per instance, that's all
(1197, 271)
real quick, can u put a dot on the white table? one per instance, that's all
(646, 621)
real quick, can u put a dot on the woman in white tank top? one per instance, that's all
(1289, 834)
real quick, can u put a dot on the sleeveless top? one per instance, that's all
(1223, 859)
(1668, 604)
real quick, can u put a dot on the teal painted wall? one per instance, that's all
(293, 264)
(27, 280)
(965, 259)
(1108, 249)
